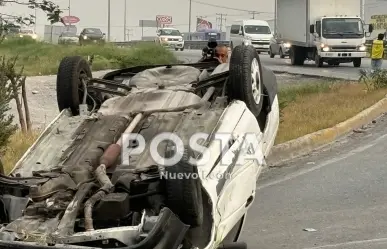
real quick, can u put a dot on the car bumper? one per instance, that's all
(93, 41)
(168, 233)
(261, 48)
(173, 44)
(340, 55)
(285, 51)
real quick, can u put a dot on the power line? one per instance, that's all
(225, 7)
(221, 19)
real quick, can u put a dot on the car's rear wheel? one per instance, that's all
(271, 54)
(245, 80)
(281, 54)
(69, 86)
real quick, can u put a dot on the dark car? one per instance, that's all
(91, 35)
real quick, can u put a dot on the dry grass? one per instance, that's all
(18, 145)
(322, 106)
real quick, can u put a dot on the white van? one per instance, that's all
(255, 32)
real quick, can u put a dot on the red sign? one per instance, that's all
(161, 19)
(202, 24)
(70, 19)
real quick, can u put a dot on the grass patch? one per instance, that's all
(18, 145)
(40, 58)
(312, 107)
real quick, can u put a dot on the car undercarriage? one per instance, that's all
(76, 187)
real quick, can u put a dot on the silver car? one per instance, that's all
(278, 48)
(68, 37)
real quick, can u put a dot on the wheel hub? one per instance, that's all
(255, 78)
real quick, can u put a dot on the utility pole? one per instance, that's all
(69, 7)
(275, 16)
(253, 13)
(108, 21)
(124, 20)
(221, 19)
(129, 33)
(362, 7)
(189, 20)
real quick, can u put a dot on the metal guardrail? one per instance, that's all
(187, 44)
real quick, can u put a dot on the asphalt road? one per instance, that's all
(344, 71)
(340, 192)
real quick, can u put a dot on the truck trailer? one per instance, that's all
(329, 31)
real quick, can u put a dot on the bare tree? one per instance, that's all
(13, 81)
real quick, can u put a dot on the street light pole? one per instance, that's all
(189, 20)
(124, 20)
(108, 21)
(362, 6)
(69, 7)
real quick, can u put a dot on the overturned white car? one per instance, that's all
(77, 188)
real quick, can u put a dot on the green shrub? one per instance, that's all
(374, 79)
(40, 58)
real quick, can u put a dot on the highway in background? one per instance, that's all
(344, 71)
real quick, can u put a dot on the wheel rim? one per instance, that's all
(255, 78)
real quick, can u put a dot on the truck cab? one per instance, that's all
(338, 39)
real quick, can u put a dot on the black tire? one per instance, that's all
(240, 78)
(176, 49)
(69, 87)
(271, 54)
(357, 62)
(182, 49)
(317, 60)
(337, 63)
(297, 56)
(184, 196)
(281, 54)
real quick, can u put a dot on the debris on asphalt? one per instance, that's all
(35, 92)
(309, 230)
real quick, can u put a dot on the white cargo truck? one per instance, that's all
(329, 31)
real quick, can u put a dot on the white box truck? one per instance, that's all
(329, 31)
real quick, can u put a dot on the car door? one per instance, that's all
(239, 181)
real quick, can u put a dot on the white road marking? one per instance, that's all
(326, 163)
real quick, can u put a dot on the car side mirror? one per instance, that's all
(103, 34)
(240, 32)
(370, 28)
(311, 29)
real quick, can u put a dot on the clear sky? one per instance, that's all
(93, 13)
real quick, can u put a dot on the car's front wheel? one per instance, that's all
(245, 78)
